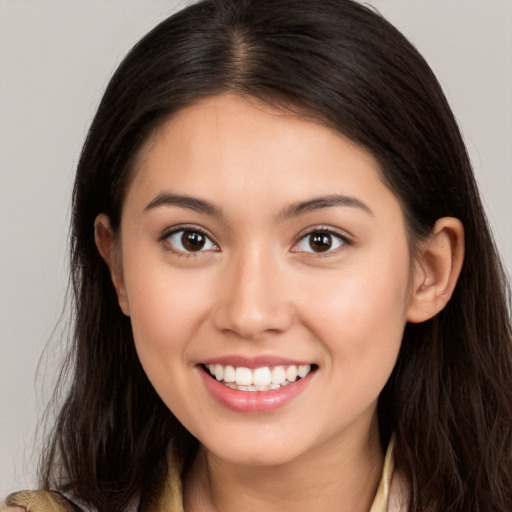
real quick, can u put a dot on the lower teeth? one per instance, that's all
(232, 385)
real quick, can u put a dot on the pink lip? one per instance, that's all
(254, 401)
(253, 362)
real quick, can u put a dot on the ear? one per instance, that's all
(107, 247)
(436, 269)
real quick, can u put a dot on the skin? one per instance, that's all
(260, 289)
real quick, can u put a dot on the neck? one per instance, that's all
(340, 476)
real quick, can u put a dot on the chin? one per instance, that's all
(249, 451)
(257, 457)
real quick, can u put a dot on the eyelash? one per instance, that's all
(342, 241)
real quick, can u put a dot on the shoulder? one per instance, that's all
(39, 501)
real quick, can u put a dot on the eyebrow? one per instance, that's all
(294, 210)
(182, 201)
(320, 203)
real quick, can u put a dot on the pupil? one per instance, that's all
(321, 242)
(193, 241)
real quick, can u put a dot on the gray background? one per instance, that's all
(55, 59)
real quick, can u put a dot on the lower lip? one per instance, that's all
(254, 401)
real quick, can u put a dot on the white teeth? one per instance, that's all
(304, 369)
(243, 376)
(219, 372)
(291, 373)
(278, 375)
(229, 374)
(259, 379)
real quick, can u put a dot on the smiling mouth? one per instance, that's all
(265, 378)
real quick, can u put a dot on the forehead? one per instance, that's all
(248, 119)
(225, 145)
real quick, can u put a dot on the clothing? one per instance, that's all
(389, 498)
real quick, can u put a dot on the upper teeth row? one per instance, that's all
(265, 376)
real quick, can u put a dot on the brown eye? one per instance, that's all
(319, 242)
(192, 241)
(189, 240)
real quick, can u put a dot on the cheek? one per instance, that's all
(167, 310)
(167, 307)
(369, 295)
(364, 325)
(361, 314)
(363, 355)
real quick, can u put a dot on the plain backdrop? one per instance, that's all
(55, 59)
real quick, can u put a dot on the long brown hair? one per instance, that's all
(449, 399)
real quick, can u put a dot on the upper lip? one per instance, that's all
(237, 360)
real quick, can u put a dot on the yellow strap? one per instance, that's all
(381, 501)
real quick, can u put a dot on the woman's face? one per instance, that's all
(264, 249)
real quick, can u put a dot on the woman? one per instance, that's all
(286, 290)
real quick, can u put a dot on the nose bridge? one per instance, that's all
(253, 300)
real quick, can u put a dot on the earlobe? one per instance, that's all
(436, 270)
(106, 244)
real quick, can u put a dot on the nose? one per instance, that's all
(253, 301)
